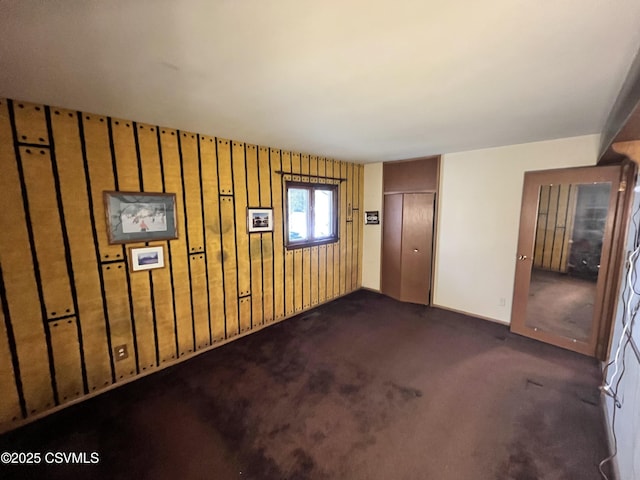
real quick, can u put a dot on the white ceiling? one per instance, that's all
(362, 80)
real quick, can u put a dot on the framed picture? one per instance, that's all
(146, 258)
(372, 218)
(140, 217)
(260, 220)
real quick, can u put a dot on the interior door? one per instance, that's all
(566, 230)
(417, 240)
(407, 245)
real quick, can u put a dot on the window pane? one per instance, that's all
(298, 214)
(323, 214)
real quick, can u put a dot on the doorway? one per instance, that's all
(564, 257)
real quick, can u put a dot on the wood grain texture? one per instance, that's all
(392, 246)
(213, 237)
(70, 296)
(417, 238)
(278, 235)
(21, 287)
(416, 175)
(66, 354)
(9, 400)
(178, 249)
(75, 198)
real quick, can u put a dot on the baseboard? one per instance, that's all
(370, 289)
(471, 314)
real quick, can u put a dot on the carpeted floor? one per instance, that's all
(362, 388)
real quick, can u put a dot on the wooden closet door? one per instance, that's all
(417, 241)
(392, 246)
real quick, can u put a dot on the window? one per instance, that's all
(312, 214)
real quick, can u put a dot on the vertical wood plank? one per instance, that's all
(255, 246)
(338, 264)
(75, 199)
(350, 217)
(195, 237)
(313, 262)
(228, 226)
(288, 163)
(177, 249)
(125, 155)
(31, 126)
(298, 272)
(245, 313)
(322, 250)
(306, 252)
(343, 220)
(550, 226)
(229, 265)
(225, 177)
(306, 278)
(45, 222)
(266, 178)
(331, 247)
(322, 273)
(66, 354)
(360, 224)
(200, 305)
(255, 240)
(10, 410)
(242, 236)
(213, 243)
(160, 279)
(115, 283)
(99, 162)
(278, 234)
(192, 197)
(20, 285)
(129, 180)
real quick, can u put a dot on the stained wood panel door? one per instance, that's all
(417, 239)
(392, 246)
(407, 246)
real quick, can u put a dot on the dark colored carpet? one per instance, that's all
(362, 388)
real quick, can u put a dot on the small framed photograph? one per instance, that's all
(260, 220)
(140, 217)
(146, 258)
(372, 218)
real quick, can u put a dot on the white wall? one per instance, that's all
(478, 219)
(372, 236)
(627, 425)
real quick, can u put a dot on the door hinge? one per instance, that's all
(623, 186)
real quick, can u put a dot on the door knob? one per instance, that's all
(415, 250)
(522, 257)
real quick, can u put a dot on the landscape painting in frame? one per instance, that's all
(260, 220)
(146, 258)
(140, 217)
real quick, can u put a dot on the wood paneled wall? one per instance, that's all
(68, 296)
(554, 228)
